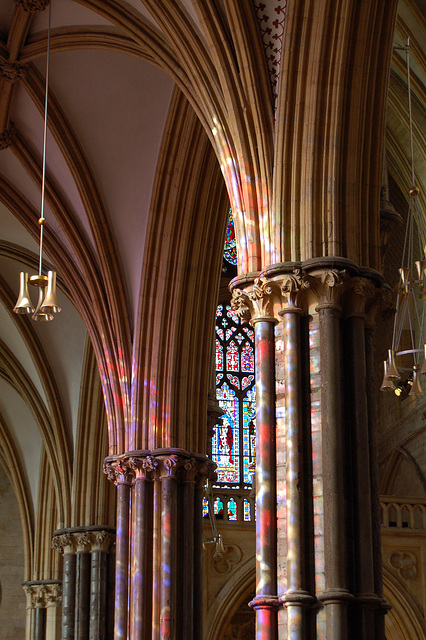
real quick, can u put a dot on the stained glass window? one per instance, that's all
(247, 510)
(232, 510)
(230, 248)
(218, 508)
(234, 436)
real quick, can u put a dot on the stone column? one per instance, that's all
(298, 598)
(123, 477)
(64, 542)
(100, 581)
(341, 293)
(357, 297)
(335, 457)
(256, 303)
(165, 493)
(43, 600)
(345, 294)
(85, 581)
(142, 523)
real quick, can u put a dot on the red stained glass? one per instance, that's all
(232, 357)
(233, 439)
(219, 356)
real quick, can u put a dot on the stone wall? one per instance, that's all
(12, 596)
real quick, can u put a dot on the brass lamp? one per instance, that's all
(47, 304)
(410, 307)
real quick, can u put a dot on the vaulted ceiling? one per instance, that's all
(114, 76)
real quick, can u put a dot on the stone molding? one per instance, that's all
(83, 539)
(32, 6)
(223, 563)
(179, 464)
(327, 283)
(43, 593)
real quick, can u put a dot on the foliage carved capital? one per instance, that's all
(257, 301)
(42, 594)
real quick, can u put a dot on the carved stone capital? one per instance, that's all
(135, 466)
(257, 301)
(293, 285)
(43, 593)
(83, 539)
(357, 297)
(118, 470)
(31, 6)
(7, 136)
(329, 289)
(142, 467)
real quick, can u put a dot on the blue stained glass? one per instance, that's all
(205, 507)
(230, 248)
(249, 433)
(247, 510)
(233, 444)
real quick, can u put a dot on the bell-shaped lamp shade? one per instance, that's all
(23, 303)
(39, 315)
(416, 389)
(50, 303)
(387, 384)
(392, 371)
(220, 549)
(421, 268)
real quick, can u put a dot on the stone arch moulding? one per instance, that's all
(404, 620)
(239, 584)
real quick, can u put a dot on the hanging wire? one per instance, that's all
(43, 180)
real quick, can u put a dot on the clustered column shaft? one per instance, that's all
(43, 601)
(87, 577)
(162, 483)
(339, 297)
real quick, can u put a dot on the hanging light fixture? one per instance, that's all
(47, 304)
(407, 339)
